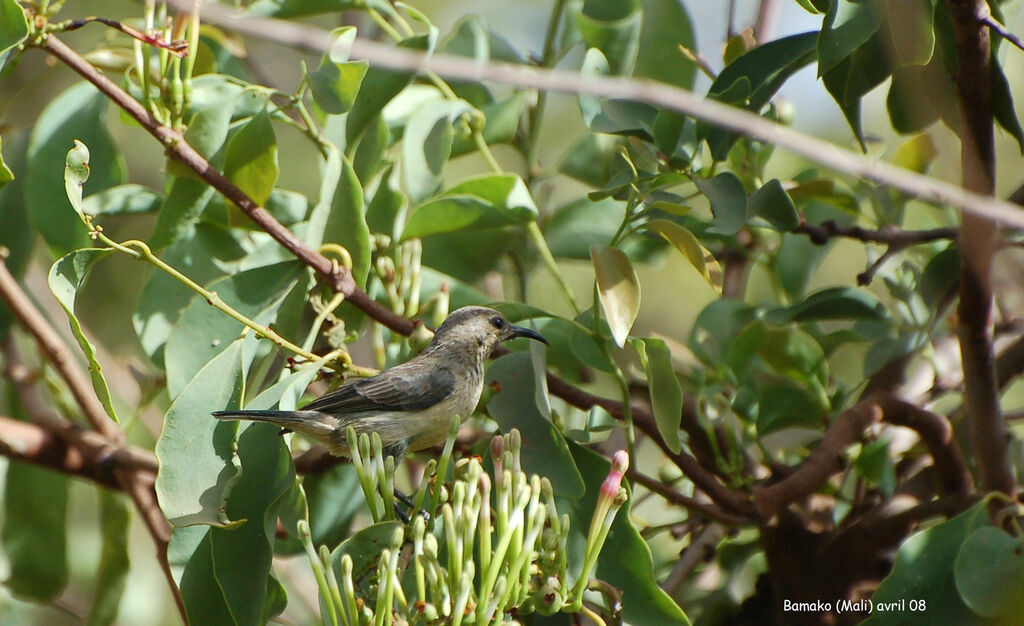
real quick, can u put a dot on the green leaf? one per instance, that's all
(772, 203)
(519, 405)
(195, 450)
(6, 175)
(202, 332)
(589, 160)
(1002, 103)
(13, 26)
(34, 535)
(916, 154)
(594, 64)
(584, 223)
(489, 201)
(686, 243)
(784, 405)
(115, 523)
(16, 233)
(122, 200)
(924, 571)
(214, 101)
(202, 253)
(875, 463)
(185, 203)
(625, 560)
(336, 82)
(836, 43)
(65, 279)
(613, 27)
(666, 394)
(795, 354)
(427, 145)
(379, 86)
(856, 75)
(618, 289)
(834, 303)
(297, 8)
(940, 276)
(666, 26)
(728, 202)
(753, 79)
(251, 161)
(189, 553)
(386, 205)
(242, 555)
(77, 114)
(346, 221)
(910, 30)
(716, 326)
(364, 549)
(989, 573)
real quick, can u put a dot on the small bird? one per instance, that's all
(409, 405)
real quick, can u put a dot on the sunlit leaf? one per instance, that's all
(478, 203)
(618, 289)
(686, 243)
(65, 279)
(427, 145)
(195, 450)
(251, 161)
(989, 573)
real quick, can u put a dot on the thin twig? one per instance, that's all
(57, 353)
(820, 234)
(673, 496)
(666, 96)
(991, 22)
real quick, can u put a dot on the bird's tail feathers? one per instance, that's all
(312, 423)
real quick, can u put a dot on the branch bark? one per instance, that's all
(978, 239)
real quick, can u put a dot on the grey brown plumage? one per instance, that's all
(409, 405)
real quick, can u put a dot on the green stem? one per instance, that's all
(549, 260)
(537, 113)
(485, 150)
(384, 25)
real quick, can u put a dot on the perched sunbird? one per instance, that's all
(410, 405)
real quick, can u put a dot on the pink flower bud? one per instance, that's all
(610, 487)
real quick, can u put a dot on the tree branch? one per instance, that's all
(673, 496)
(890, 236)
(337, 276)
(56, 352)
(977, 243)
(825, 460)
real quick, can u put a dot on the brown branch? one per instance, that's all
(337, 276)
(673, 496)
(977, 243)
(825, 460)
(937, 435)
(820, 234)
(31, 443)
(991, 22)
(767, 16)
(57, 353)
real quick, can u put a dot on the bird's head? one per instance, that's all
(479, 328)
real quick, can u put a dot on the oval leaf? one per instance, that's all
(252, 158)
(989, 573)
(666, 394)
(686, 243)
(728, 202)
(475, 204)
(618, 288)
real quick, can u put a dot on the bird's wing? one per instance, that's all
(397, 389)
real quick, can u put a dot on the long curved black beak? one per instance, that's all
(519, 331)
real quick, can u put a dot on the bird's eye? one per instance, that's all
(497, 322)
